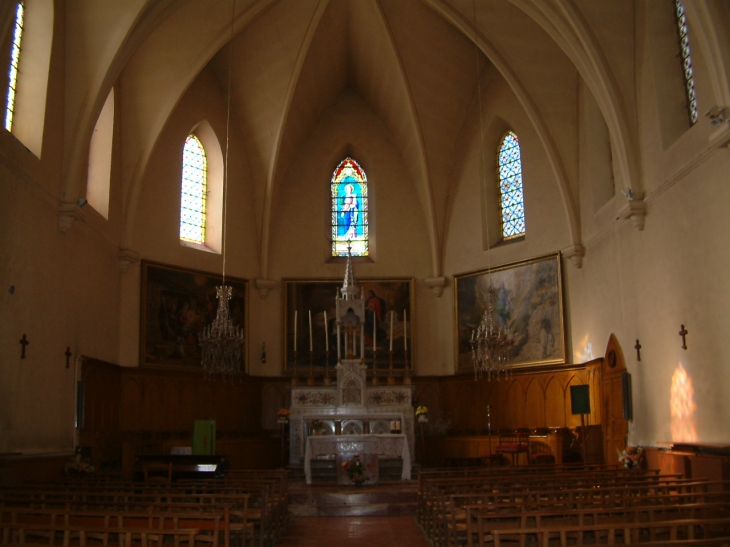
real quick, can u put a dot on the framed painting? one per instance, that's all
(387, 302)
(176, 305)
(527, 299)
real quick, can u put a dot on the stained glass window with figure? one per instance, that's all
(512, 198)
(349, 191)
(193, 192)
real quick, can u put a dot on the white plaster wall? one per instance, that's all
(66, 294)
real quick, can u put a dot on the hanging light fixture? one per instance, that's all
(222, 342)
(491, 342)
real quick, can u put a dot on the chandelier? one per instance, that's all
(222, 342)
(491, 343)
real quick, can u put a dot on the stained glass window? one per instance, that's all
(194, 192)
(349, 191)
(13, 73)
(512, 199)
(685, 53)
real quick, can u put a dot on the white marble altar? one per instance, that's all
(351, 407)
(389, 446)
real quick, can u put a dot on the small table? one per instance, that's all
(394, 446)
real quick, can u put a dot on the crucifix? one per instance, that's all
(637, 347)
(683, 333)
(68, 354)
(23, 342)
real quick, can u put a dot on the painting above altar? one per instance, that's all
(527, 299)
(388, 323)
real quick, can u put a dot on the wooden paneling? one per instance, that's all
(161, 401)
(539, 399)
(129, 403)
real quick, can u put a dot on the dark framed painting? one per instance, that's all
(176, 305)
(388, 302)
(527, 299)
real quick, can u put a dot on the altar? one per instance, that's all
(388, 446)
(351, 417)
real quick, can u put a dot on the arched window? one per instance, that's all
(512, 198)
(349, 191)
(98, 181)
(14, 60)
(193, 192)
(685, 54)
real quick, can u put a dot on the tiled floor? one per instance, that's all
(353, 532)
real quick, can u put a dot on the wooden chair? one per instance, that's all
(514, 443)
(157, 472)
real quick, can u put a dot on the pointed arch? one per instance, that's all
(193, 191)
(14, 62)
(30, 65)
(349, 209)
(511, 194)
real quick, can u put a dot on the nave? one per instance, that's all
(390, 531)
(549, 505)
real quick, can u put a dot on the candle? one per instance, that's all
(311, 345)
(391, 330)
(375, 329)
(326, 333)
(405, 330)
(295, 330)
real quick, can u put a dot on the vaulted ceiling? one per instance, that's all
(417, 64)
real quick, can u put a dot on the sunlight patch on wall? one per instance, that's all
(682, 407)
(586, 353)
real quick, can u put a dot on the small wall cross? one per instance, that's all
(637, 347)
(683, 333)
(68, 354)
(23, 342)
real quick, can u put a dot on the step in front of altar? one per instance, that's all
(387, 498)
(323, 470)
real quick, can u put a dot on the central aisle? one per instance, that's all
(353, 532)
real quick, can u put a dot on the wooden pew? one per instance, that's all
(617, 533)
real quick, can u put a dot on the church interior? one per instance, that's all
(555, 171)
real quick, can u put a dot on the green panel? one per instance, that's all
(204, 437)
(580, 400)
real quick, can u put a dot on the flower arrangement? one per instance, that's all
(422, 414)
(631, 457)
(283, 415)
(79, 465)
(356, 470)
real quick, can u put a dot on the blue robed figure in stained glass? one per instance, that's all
(349, 209)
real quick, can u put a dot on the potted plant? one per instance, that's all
(631, 457)
(317, 427)
(356, 471)
(283, 415)
(422, 414)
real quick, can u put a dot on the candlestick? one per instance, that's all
(295, 330)
(326, 333)
(405, 330)
(375, 329)
(311, 345)
(391, 330)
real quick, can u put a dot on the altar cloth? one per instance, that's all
(392, 445)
